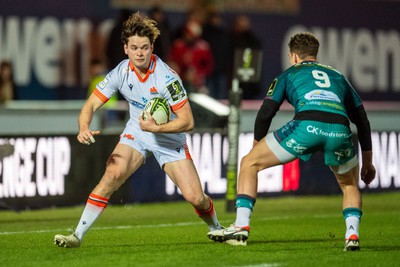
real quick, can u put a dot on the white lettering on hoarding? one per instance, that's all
(36, 168)
(210, 155)
(386, 159)
(47, 48)
(370, 59)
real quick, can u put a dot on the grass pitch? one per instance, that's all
(286, 231)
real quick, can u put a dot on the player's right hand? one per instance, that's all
(86, 137)
(367, 173)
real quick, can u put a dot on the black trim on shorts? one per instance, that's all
(322, 116)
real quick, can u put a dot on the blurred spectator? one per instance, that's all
(7, 86)
(193, 14)
(114, 48)
(218, 38)
(243, 37)
(97, 72)
(191, 57)
(162, 45)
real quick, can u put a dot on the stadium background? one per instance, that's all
(50, 45)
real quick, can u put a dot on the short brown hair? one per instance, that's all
(304, 45)
(140, 26)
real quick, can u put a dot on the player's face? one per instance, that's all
(139, 51)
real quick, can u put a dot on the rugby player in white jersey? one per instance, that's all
(139, 78)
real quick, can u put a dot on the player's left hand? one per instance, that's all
(148, 125)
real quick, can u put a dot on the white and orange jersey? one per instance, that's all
(160, 81)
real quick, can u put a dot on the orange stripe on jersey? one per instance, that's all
(179, 105)
(151, 69)
(100, 95)
(187, 153)
(173, 71)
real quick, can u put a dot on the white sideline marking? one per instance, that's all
(162, 225)
(263, 265)
(104, 228)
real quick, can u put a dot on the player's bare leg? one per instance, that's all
(259, 158)
(120, 165)
(352, 205)
(183, 173)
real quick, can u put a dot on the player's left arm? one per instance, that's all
(183, 122)
(272, 102)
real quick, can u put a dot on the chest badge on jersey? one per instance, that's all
(153, 90)
(103, 83)
(271, 88)
(176, 90)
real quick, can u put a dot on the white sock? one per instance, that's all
(243, 216)
(352, 226)
(95, 205)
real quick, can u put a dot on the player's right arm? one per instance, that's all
(272, 102)
(85, 135)
(264, 118)
(358, 116)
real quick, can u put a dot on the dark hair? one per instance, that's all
(304, 45)
(140, 26)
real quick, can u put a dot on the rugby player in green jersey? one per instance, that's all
(325, 103)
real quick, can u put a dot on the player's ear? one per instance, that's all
(295, 60)
(126, 49)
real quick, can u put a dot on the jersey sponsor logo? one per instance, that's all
(130, 86)
(326, 104)
(342, 154)
(103, 83)
(293, 144)
(322, 95)
(176, 90)
(318, 131)
(137, 104)
(271, 88)
(129, 136)
(169, 79)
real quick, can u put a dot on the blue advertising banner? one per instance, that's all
(47, 171)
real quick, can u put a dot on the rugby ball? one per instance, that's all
(159, 109)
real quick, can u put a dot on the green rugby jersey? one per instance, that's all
(310, 85)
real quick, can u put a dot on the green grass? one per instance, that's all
(286, 231)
